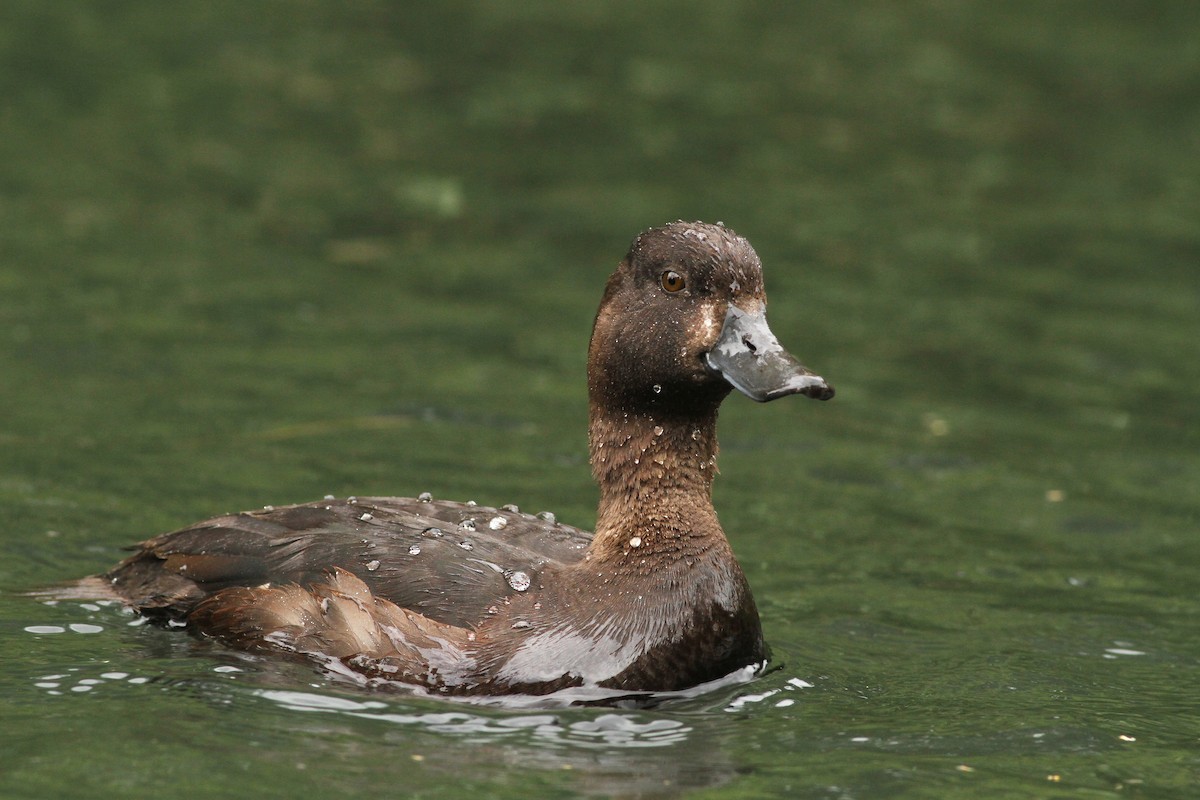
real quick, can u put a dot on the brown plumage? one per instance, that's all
(465, 599)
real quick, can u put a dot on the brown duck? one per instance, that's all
(467, 600)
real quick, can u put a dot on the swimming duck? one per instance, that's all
(463, 599)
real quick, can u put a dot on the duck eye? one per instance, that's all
(672, 281)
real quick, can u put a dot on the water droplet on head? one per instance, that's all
(414, 549)
(425, 497)
(472, 503)
(466, 545)
(436, 533)
(511, 507)
(657, 388)
(658, 430)
(636, 541)
(366, 517)
(372, 565)
(519, 581)
(497, 523)
(467, 524)
(547, 516)
(521, 623)
(696, 435)
(268, 508)
(329, 497)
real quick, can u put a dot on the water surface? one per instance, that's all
(251, 257)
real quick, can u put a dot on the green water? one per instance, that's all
(260, 253)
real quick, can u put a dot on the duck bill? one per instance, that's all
(749, 357)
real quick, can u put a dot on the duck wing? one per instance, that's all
(341, 625)
(450, 562)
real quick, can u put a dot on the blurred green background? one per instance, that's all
(256, 253)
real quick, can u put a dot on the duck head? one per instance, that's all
(683, 322)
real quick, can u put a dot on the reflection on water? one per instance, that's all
(69, 681)
(783, 702)
(94, 608)
(696, 734)
(603, 730)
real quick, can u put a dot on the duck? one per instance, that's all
(467, 600)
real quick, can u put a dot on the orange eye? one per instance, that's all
(672, 281)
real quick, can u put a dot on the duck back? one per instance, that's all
(445, 559)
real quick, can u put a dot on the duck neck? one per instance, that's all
(655, 472)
